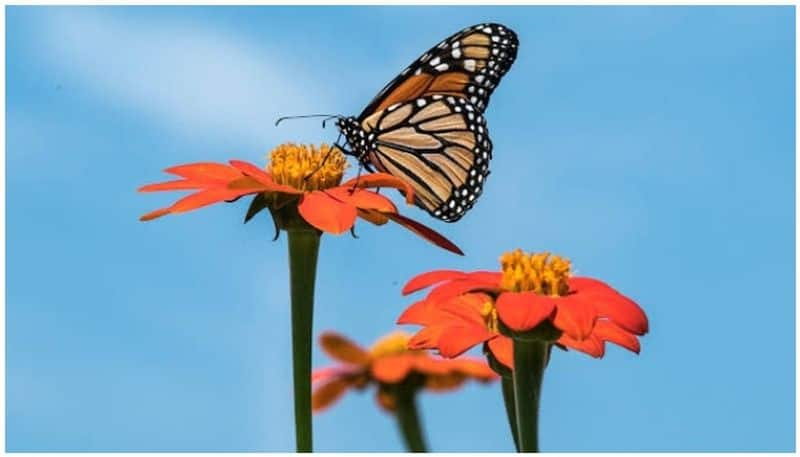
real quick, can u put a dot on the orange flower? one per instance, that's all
(300, 180)
(387, 364)
(532, 291)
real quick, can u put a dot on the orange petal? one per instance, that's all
(466, 308)
(253, 171)
(324, 374)
(611, 304)
(458, 287)
(192, 202)
(392, 369)
(210, 172)
(607, 331)
(502, 348)
(492, 277)
(427, 338)
(386, 400)
(423, 312)
(455, 340)
(328, 393)
(428, 365)
(522, 311)
(265, 179)
(343, 349)
(372, 216)
(382, 180)
(203, 198)
(428, 279)
(247, 183)
(444, 383)
(362, 199)
(425, 232)
(575, 316)
(326, 213)
(154, 214)
(180, 184)
(592, 345)
(475, 368)
(252, 185)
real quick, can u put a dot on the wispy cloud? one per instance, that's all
(198, 80)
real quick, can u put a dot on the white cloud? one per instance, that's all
(189, 77)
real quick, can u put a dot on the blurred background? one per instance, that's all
(653, 146)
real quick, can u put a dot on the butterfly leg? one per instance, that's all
(325, 159)
(358, 177)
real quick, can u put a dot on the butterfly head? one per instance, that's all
(359, 140)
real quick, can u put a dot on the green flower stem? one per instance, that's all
(508, 398)
(303, 250)
(408, 419)
(530, 359)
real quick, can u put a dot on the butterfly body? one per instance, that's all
(427, 125)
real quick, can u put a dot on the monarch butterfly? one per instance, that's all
(427, 126)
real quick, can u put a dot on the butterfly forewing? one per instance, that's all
(440, 145)
(427, 127)
(469, 64)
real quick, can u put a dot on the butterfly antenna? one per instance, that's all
(335, 116)
(305, 116)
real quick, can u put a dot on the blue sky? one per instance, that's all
(653, 146)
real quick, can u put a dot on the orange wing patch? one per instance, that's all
(452, 82)
(416, 86)
(476, 52)
(411, 88)
(478, 39)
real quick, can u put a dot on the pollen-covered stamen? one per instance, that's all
(542, 273)
(307, 167)
(489, 314)
(392, 344)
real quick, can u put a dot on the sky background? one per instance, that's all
(652, 146)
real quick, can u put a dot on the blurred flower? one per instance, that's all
(465, 309)
(303, 191)
(388, 364)
(301, 185)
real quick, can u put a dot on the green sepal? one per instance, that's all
(495, 364)
(545, 331)
(287, 216)
(258, 203)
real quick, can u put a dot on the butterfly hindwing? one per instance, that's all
(469, 64)
(439, 144)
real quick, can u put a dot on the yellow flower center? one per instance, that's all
(489, 314)
(391, 344)
(307, 167)
(542, 273)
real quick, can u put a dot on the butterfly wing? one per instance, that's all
(468, 64)
(440, 145)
